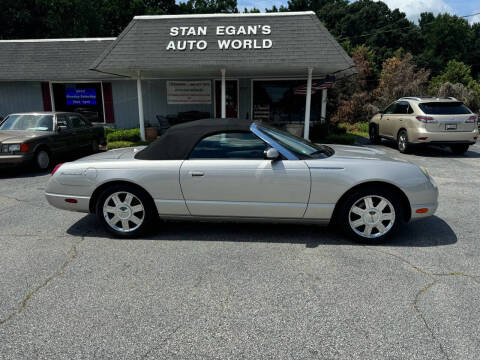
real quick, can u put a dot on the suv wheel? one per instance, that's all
(373, 132)
(459, 149)
(402, 142)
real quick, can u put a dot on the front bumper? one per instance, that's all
(8, 160)
(453, 137)
(60, 202)
(418, 210)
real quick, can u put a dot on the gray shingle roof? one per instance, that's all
(299, 41)
(56, 59)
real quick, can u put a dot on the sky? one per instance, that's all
(412, 8)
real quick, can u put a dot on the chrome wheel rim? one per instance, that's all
(372, 216)
(123, 211)
(43, 160)
(402, 142)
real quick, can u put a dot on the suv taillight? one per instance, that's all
(426, 119)
(471, 119)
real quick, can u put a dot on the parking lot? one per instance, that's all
(241, 291)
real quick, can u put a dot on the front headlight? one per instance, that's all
(8, 148)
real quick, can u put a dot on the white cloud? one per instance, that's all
(475, 19)
(413, 8)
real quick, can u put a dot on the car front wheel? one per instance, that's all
(126, 211)
(371, 215)
(42, 159)
(374, 137)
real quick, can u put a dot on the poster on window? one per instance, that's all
(77, 96)
(189, 92)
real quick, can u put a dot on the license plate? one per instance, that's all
(451, 127)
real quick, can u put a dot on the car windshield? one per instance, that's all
(28, 122)
(300, 147)
(444, 108)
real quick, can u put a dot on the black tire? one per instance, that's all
(95, 146)
(149, 215)
(346, 219)
(42, 159)
(373, 133)
(459, 149)
(402, 142)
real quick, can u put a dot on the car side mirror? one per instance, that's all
(271, 154)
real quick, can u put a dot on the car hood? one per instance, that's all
(16, 136)
(116, 154)
(358, 152)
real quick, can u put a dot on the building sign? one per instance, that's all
(189, 92)
(81, 96)
(229, 37)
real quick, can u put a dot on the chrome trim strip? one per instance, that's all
(170, 201)
(245, 203)
(287, 154)
(326, 168)
(68, 196)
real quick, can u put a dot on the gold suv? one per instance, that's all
(415, 120)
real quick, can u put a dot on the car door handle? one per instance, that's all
(197, 173)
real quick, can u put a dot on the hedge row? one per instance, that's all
(122, 144)
(132, 135)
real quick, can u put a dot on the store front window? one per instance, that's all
(283, 101)
(84, 98)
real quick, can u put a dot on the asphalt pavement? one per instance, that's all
(241, 291)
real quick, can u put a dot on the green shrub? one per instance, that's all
(358, 128)
(108, 130)
(122, 144)
(132, 135)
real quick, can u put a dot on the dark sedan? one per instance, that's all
(36, 137)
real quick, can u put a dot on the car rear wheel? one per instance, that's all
(402, 142)
(459, 149)
(126, 211)
(374, 137)
(371, 215)
(42, 159)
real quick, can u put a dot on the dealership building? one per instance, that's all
(167, 69)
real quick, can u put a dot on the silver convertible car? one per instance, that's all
(238, 170)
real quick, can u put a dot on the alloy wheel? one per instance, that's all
(123, 211)
(402, 142)
(372, 216)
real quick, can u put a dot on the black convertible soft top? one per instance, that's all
(178, 142)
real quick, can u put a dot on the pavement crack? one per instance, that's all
(71, 255)
(416, 306)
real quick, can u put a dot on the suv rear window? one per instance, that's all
(445, 108)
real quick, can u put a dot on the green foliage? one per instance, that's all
(132, 135)
(456, 72)
(359, 128)
(344, 139)
(123, 144)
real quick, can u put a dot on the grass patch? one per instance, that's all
(123, 144)
(359, 128)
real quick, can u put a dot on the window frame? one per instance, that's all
(267, 145)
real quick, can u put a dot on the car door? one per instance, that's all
(226, 175)
(64, 138)
(400, 117)
(81, 130)
(386, 121)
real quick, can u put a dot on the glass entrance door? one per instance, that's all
(231, 98)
